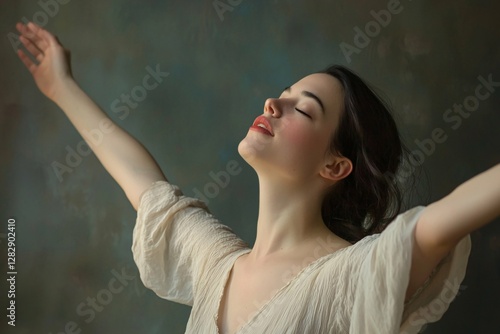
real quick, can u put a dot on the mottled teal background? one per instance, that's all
(72, 234)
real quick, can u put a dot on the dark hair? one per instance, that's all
(371, 196)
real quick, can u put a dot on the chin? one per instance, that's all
(253, 149)
(247, 151)
(258, 154)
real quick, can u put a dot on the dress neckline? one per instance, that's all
(276, 294)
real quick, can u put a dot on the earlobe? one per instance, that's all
(337, 170)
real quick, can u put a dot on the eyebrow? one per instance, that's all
(308, 94)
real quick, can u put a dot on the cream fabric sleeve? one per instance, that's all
(176, 240)
(379, 303)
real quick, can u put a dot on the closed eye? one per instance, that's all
(303, 113)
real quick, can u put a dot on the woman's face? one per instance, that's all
(302, 121)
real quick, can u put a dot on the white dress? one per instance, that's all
(184, 254)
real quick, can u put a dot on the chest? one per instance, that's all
(248, 292)
(251, 289)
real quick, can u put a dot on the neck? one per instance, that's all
(289, 218)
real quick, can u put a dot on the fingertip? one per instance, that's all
(20, 53)
(32, 26)
(20, 26)
(35, 25)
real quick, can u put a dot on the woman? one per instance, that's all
(325, 259)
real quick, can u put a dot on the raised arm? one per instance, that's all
(126, 159)
(444, 223)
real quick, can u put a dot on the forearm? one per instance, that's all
(128, 162)
(125, 158)
(482, 195)
(470, 206)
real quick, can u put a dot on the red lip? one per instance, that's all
(267, 126)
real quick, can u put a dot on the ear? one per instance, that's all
(336, 168)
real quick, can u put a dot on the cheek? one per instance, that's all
(303, 138)
(298, 137)
(302, 147)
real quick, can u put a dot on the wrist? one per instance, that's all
(64, 91)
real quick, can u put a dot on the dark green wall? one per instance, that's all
(73, 232)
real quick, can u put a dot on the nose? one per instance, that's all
(271, 106)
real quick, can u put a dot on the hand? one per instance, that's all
(54, 64)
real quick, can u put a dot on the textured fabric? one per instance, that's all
(184, 254)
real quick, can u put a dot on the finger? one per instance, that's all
(25, 38)
(26, 60)
(32, 48)
(28, 37)
(19, 27)
(45, 35)
(51, 39)
(38, 38)
(25, 31)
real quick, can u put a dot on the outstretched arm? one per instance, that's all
(444, 223)
(126, 159)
